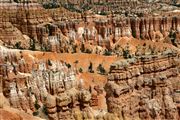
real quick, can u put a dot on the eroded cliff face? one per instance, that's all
(137, 88)
(105, 32)
(144, 88)
(30, 26)
(19, 23)
(143, 84)
(45, 88)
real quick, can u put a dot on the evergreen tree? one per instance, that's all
(90, 69)
(101, 69)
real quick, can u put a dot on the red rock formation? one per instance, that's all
(40, 26)
(142, 88)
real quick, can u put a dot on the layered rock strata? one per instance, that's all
(144, 88)
(51, 30)
(62, 36)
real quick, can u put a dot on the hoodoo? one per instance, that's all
(90, 59)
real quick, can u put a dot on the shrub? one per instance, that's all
(82, 48)
(90, 69)
(17, 1)
(144, 44)
(45, 48)
(80, 70)
(68, 65)
(134, 33)
(74, 48)
(107, 52)
(172, 36)
(87, 51)
(126, 54)
(174, 42)
(51, 5)
(36, 113)
(101, 69)
(76, 62)
(18, 45)
(36, 105)
(49, 62)
(103, 13)
(44, 110)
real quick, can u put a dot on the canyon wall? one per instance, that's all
(144, 88)
(106, 32)
(23, 25)
(142, 84)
